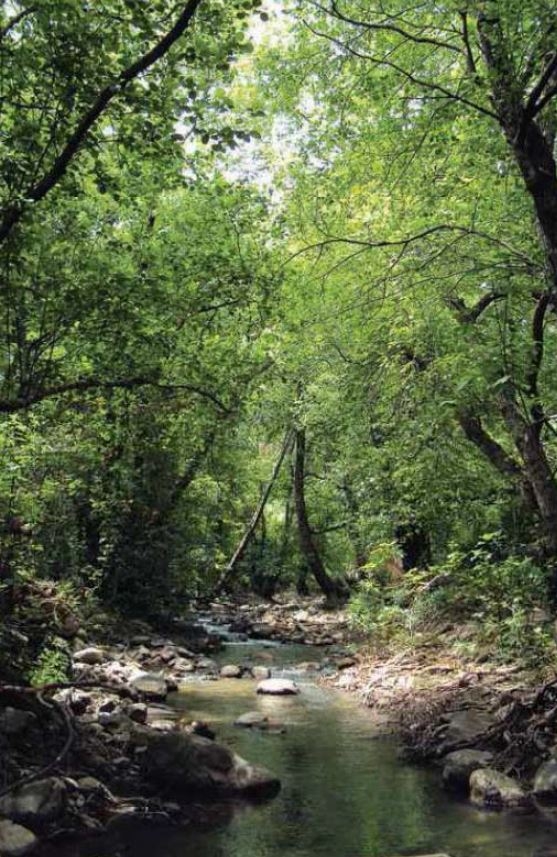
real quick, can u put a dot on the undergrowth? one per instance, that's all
(501, 598)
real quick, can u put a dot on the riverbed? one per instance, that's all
(345, 792)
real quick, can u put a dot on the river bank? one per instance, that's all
(489, 728)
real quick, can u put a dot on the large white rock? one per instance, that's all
(185, 763)
(492, 789)
(278, 687)
(261, 673)
(251, 719)
(231, 671)
(545, 781)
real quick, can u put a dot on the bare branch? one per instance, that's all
(387, 27)
(499, 457)
(411, 239)
(469, 315)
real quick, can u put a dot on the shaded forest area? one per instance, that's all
(278, 309)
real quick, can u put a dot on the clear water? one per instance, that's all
(344, 791)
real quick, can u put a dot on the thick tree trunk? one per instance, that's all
(537, 469)
(500, 459)
(333, 589)
(255, 518)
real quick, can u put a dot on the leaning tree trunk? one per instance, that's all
(333, 589)
(255, 518)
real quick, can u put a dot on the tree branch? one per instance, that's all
(424, 84)
(533, 104)
(537, 342)
(469, 315)
(467, 45)
(411, 239)
(13, 22)
(384, 26)
(13, 214)
(10, 406)
(501, 460)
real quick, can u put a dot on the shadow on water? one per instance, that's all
(344, 791)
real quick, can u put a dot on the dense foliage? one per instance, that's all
(278, 302)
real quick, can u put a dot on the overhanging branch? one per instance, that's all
(11, 406)
(36, 192)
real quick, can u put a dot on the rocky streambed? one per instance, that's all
(180, 741)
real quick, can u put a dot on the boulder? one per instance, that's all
(261, 673)
(465, 726)
(200, 727)
(183, 666)
(206, 664)
(138, 712)
(231, 671)
(15, 840)
(545, 781)
(112, 719)
(187, 763)
(150, 684)
(36, 802)
(494, 790)
(278, 687)
(459, 765)
(91, 655)
(15, 721)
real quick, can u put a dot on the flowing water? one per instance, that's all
(344, 791)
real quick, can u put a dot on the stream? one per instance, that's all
(344, 791)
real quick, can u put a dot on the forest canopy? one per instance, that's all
(279, 302)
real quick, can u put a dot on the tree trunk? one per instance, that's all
(333, 589)
(501, 460)
(255, 518)
(538, 471)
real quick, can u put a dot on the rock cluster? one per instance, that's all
(289, 621)
(126, 740)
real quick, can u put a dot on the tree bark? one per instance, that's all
(333, 589)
